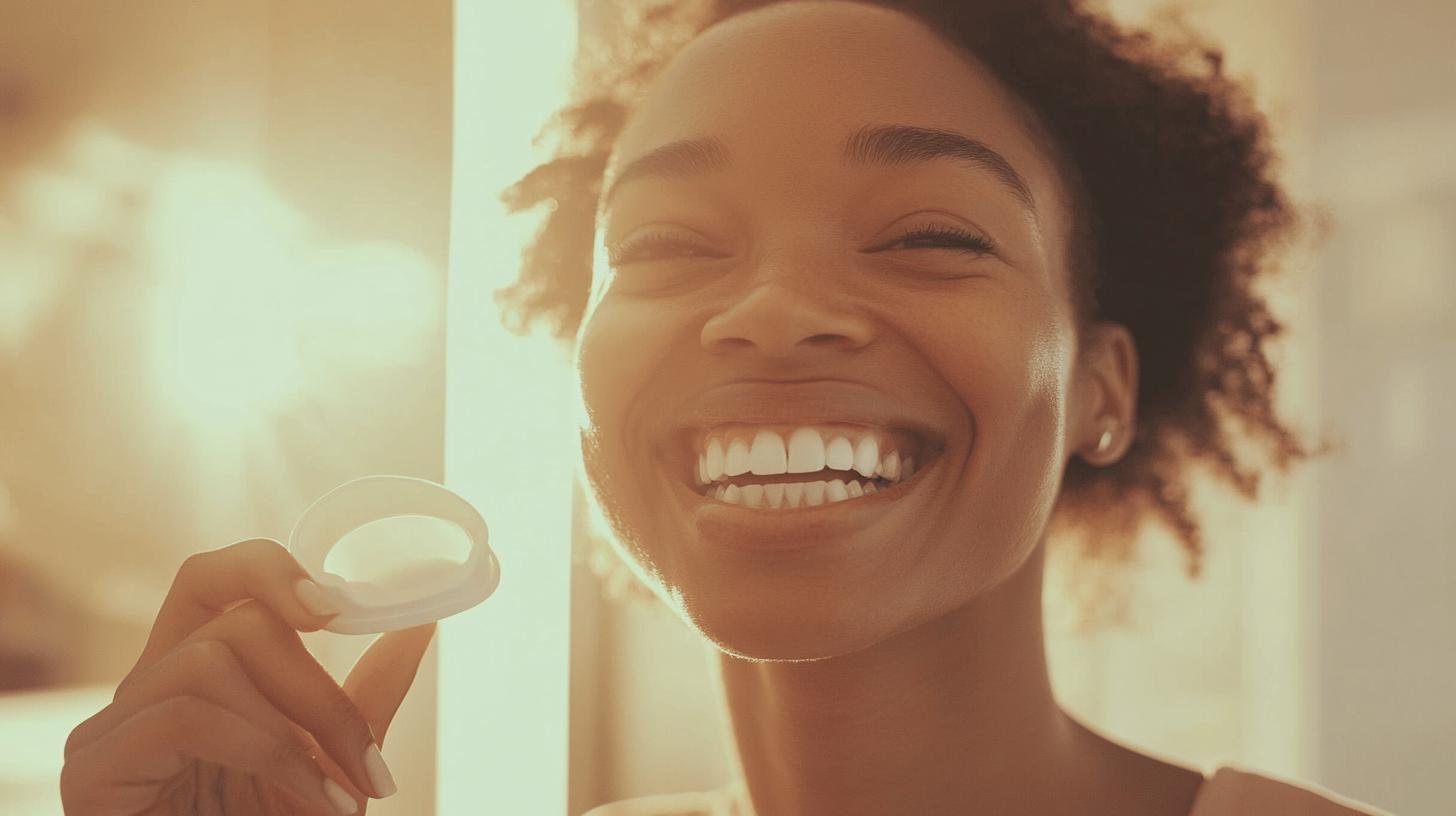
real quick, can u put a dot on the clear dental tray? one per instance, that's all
(393, 552)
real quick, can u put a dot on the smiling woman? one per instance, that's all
(1170, 237)
(907, 288)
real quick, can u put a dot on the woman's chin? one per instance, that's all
(809, 630)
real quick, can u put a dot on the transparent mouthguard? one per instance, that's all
(395, 551)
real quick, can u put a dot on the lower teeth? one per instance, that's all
(790, 495)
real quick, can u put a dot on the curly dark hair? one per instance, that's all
(1177, 214)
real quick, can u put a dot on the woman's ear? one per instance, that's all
(1107, 414)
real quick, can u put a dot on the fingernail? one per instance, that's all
(313, 598)
(340, 798)
(379, 776)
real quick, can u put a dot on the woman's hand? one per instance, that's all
(227, 713)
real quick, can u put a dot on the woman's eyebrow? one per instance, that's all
(906, 144)
(871, 144)
(685, 157)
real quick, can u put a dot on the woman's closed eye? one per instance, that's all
(943, 237)
(651, 246)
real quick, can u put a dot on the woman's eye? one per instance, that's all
(940, 237)
(658, 246)
(654, 246)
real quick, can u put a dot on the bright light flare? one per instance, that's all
(224, 251)
(228, 307)
(253, 307)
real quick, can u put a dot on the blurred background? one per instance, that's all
(225, 230)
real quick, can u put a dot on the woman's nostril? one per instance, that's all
(777, 319)
(781, 344)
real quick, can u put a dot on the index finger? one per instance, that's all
(209, 583)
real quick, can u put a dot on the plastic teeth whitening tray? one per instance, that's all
(393, 552)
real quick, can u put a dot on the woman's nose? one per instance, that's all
(776, 320)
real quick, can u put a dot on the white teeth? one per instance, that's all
(774, 494)
(890, 466)
(793, 494)
(733, 452)
(767, 457)
(835, 491)
(839, 454)
(735, 463)
(814, 493)
(752, 495)
(867, 456)
(714, 459)
(806, 451)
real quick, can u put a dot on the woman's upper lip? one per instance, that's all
(802, 402)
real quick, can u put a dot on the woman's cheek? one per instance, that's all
(1008, 364)
(608, 378)
(613, 385)
(607, 381)
(1032, 425)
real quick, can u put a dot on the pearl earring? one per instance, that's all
(1105, 441)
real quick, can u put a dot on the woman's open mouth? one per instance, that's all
(780, 467)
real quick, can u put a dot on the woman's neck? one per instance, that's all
(954, 716)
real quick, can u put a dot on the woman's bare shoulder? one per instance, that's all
(1230, 791)
(1233, 790)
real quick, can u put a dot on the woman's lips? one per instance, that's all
(832, 432)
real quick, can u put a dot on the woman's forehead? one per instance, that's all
(793, 83)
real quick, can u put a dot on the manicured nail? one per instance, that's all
(313, 598)
(340, 798)
(379, 776)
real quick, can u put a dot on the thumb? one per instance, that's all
(378, 682)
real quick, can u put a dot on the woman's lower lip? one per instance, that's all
(764, 529)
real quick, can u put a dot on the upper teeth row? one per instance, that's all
(807, 450)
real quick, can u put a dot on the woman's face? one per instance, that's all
(763, 284)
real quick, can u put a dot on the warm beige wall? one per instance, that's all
(1386, 121)
(358, 115)
(171, 73)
